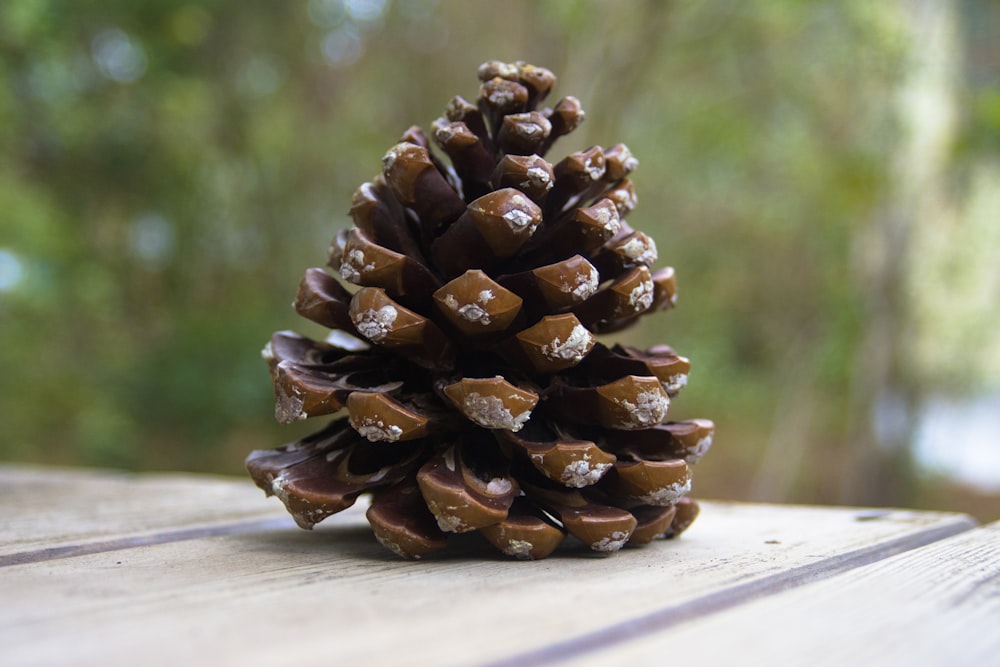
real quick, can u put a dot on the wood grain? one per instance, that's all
(280, 595)
(938, 605)
(51, 512)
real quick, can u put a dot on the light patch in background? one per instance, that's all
(151, 239)
(59, 81)
(326, 13)
(11, 270)
(260, 76)
(366, 11)
(343, 46)
(961, 438)
(118, 56)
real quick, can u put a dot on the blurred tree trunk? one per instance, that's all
(887, 391)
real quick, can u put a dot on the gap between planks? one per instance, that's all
(135, 541)
(51, 513)
(937, 605)
(715, 602)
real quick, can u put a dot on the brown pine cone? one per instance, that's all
(468, 388)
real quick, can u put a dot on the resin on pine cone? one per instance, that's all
(468, 388)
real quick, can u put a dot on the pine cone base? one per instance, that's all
(467, 386)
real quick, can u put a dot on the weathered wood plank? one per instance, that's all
(286, 595)
(936, 605)
(51, 512)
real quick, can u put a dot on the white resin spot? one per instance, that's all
(519, 549)
(668, 495)
(576, 347)
(675, 383)
(581, 473)
(474, 313)
(502, 70)
(612, 543)
(584, 285)
(498, 486)
(538, 177)
(376, 324)
(356, 257)
(607, 217)
(628, 160)
(500, 97)
(529, 130)
(517, 220)
(649, 409)
(699, 450)
(641, 250)
(350, 274)
(444, 133)
(450, 523)
(641, 296)
(354, 265)
(624, 199)
(454, 108)
(490, 412)
(389, 159)
(378, 431)
(290, 402)
(278, 487)
(594, 168)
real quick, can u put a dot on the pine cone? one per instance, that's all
(469, 389)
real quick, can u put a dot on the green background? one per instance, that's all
(819, 174)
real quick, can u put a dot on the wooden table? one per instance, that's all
(102, 568)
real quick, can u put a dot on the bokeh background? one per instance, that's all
(824, 176)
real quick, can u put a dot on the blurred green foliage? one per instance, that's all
(171, 168)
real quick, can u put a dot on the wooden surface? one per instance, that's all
(938, 605)
(103, 568)
(48, 512)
